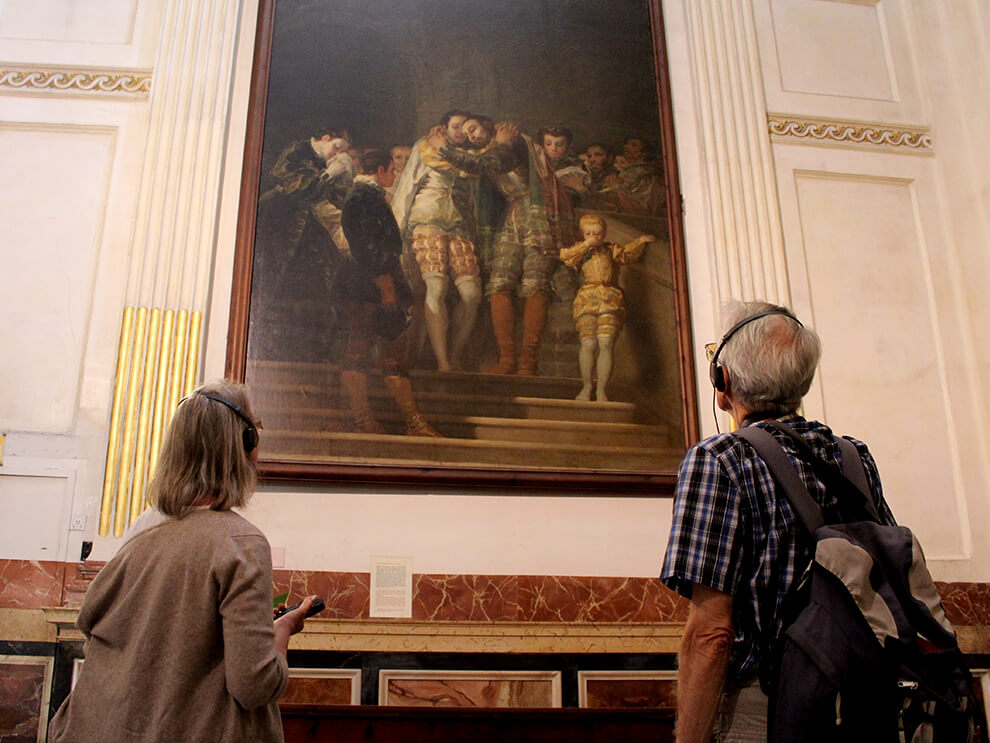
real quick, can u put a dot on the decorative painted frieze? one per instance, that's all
(851, 133)
(80, 80)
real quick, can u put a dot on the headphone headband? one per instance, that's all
(250, 436)
(715, 373)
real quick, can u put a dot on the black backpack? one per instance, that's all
(867, 652)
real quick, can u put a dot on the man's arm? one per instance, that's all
(703, 661)
(492, 162)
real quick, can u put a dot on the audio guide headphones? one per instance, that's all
(716, 373)
(250, 435)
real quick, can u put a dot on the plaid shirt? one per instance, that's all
(733, 533)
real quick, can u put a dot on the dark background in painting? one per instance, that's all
(386, 70)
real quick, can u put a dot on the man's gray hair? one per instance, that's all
(771, 361)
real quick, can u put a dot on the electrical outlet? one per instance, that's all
(77, 522)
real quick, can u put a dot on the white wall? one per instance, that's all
(71, 159)
(882, 249)
(886, 246)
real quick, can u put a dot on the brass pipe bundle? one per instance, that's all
(157, 364)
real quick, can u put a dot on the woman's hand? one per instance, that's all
(291, 623)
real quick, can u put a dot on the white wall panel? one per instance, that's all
(34, 512)
(80, 33)
(52, 211)
(873, 264)
(806, 50)
(954, 42)
(94, 21)
(883, 369)
(840, 59)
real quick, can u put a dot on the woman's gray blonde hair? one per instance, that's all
(202, 461)
(771, 361)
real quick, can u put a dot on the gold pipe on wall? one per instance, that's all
(192, 358)
(144, 418)
(130, 423)
(109, 476)
(157, 361)
(179, 360)
(161, 389)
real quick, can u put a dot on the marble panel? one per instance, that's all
(581, 599)
(503, 689)
(26, 625)
(322, 686)
(483, 598)
(25, 688)
(622, 689)
(26, 584)
(78, 576)
(966, 603)
(347, 595)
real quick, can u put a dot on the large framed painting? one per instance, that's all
(460, 256)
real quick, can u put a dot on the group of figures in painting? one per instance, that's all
(473, 206)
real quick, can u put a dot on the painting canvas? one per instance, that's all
(459, 252)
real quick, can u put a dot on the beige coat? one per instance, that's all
(179, 639)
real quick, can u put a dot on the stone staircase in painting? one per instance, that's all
(487, 421)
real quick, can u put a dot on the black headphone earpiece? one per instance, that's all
(250, 434)
(716, 373)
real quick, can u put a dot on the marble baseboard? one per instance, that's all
(471, 689)
(498, 598)
(627, 689)
(25, 691)
(26, 584)
(347, 595)
(452, 598)
(322, 687)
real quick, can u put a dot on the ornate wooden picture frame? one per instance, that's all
(524, 295)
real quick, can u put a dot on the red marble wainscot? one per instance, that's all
(595, 599)
(78, 577)
(27, 584)
(317, 691)
(622, 693)
(966, 604)
(471, 598)
(22, 701)
(347, 595)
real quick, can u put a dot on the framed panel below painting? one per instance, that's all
(460, 257)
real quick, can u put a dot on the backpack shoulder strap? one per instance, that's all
(786, 475)
(852, 464)
(849, 486)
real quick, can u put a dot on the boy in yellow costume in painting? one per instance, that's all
(598, 307)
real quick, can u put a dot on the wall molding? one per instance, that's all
(405, 636)
(916, 140)
(76, 80)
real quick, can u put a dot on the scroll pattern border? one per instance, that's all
(850, 133)
(120, 82)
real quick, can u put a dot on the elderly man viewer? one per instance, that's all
(735, 549)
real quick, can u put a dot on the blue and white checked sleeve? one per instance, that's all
(705, 536)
